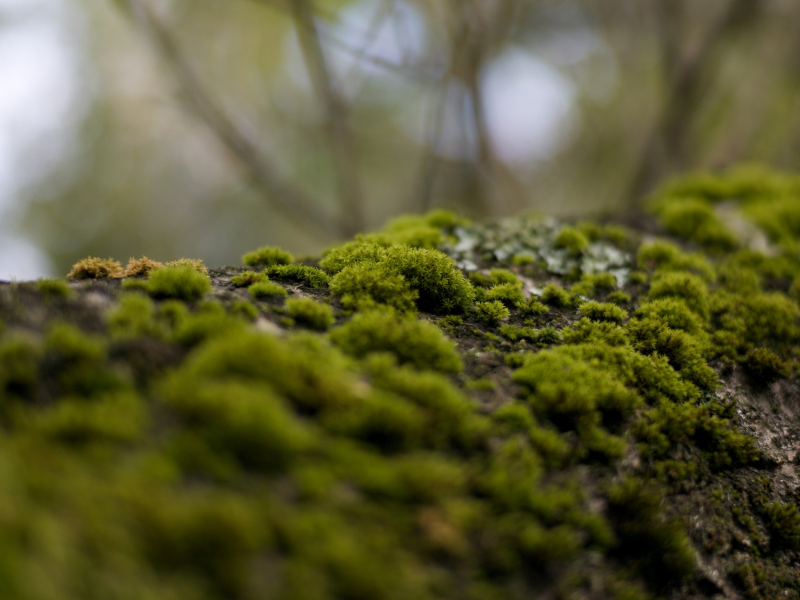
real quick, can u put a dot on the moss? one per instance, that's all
(141, 266)
(480, 279)
(591, 285)
(96, 268)
(179, 282)
(532, 308)
(310, 276)
(507, 293)
(419, 231)
(54, 288)
(310, 313)
(689, 288)
(663, 256)
(491, 313)
(695, 220)
(19, 366)
(637, 277)
(504, 276)
(675, 313)
(263, 290)
(588, 331)
(603, 311)
(134, 317)
(412, 342)
(542, 337)
(442, 288)
(200, 327)
(571, 239)
(364, 286)
(194, 263)
(247, 278)
(618, 298)
(764, 366)
(553, 295)
(783, 521)
(244, 309)
(267, 256)
(656, 543)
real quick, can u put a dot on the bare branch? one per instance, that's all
(685, 92)
(289, 201)
(351, 219)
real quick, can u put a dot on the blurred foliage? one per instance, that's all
(214, 127)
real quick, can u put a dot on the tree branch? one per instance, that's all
(292, 203)
(351, 219)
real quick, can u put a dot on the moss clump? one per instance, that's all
(552, 295)
(689, 288)
(542, 337)
(264, 290)
(532, 308)
(267, 256)
(491, 313)
(364, 286)
(783, 521)
(247, 278)
(509, 294)
(134, 317)
(764, 366)
(310, 276)
(141, 266)
(591, 285)
(618, 298)
(419, 231)
(571, 239)
(442, 288)
(19, 366)
(695, 220)
(603, 311)
(96, 268)
(674, 313)
(194, 263)
(310, 313)
(180, 282)
(413, 342)
(54, 288)
(663, 256)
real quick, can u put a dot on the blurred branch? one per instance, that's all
(288, 200)
(351, 219)
(668, 140)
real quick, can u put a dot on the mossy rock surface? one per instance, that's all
(513, 410)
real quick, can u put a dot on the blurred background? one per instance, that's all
(206, 128)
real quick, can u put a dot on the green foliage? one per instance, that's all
(587, 331)
(310, 276)
(247, 278)
(264, 290)
(541, 337)
(134, 317)
(591, 285)
(267, 256)
(603, 311)
(412, 342)
(783, 521)
(310, 313)
(663, 256)
(54, 288)
(675, 313)
(19, 365)
(363, 286)
(695, 220)
(181, 283)
(504, 276)
(571, 239)
(532, 308)
(618, 298)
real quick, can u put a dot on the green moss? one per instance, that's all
(412, 342)
(491, 313)
(504, 276)
(765, 366)
(675, 313)
(657, 544)
(54, 288)
(588, 331)
(247, 278)
(419, 231)
(532, 308)
(364, 286)
(695, 220)
(783, 521)
(244, 309)
(507, 293)
(181, 283)
(264, 290)
(267, 256)
(310, 313)
(19, 366)
(603, 311)
(542, 337)
(200, 327)
(134, 317)
(689, 288)
(442, 288)
(591, 285)
(618, 298)
(310, 276)
(663, 256)
(571, 239)
(553, 295)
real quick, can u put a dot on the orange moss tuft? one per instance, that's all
(96, 268)
(141, 266)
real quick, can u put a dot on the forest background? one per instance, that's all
(205, 128)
